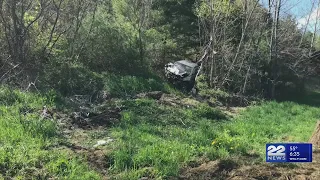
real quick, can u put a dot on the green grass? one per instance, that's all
(152, 140)
(124, 86)
(167, 138)
(75, 79)
(25, 139)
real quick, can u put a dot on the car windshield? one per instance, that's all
(183, 68)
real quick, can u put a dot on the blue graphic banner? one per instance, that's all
(289, 152)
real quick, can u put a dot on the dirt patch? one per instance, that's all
(315, 138)
(91, 120)
(97, 159)
(169, 99)
(231, 111)
(83, 129)
(239, 170)
(218, 169)
(172, 100)
(153, 95)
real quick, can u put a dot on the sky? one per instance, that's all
(300, 9)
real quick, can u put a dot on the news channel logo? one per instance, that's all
(289, 152)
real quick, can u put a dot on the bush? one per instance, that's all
(72, 79)
(290, 90)
(8, 96)
(118, 85)
(207, 92)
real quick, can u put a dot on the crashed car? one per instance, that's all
(183, 71)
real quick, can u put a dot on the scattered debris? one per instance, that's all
(101, 97)
(105, 95)
(231, 111)
(89, 120)
(153, 95)
(47, 113)
(144, 178)
(172, 100)
(74, 147)
(103, 142)
(169, 99)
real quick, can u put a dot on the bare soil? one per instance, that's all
(96, 157)
(315, 138)
(237, 170)
(106, 118)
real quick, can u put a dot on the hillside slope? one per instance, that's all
(169, 137)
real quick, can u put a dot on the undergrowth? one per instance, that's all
(25, 138)
(75, 79)
(124, 86)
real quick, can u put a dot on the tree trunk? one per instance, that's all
(315, 28)
(240, 43)
(212, 36)
(274, 50)
(306, 26)
(275, 64)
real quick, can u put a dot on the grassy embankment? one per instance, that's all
(167, 138)
(151, 140)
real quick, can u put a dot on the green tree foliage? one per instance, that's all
(181, 21)
(43, 40)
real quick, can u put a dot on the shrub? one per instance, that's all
(118, 85)
(72, 79)
(8, 96)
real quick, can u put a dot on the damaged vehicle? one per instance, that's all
(182, 72)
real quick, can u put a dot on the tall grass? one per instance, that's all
(123, 86)
(167, 138)
(152, 139)
(25, 136)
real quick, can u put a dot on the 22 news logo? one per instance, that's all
(276, 153)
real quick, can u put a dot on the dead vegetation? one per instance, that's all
(315, 138)
(242, 169)
(90, 120)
